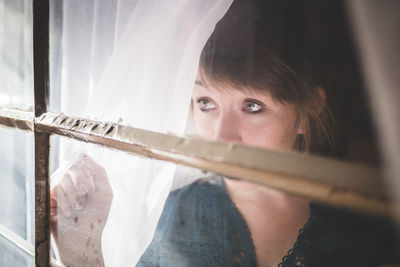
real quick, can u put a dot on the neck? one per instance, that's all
(240, 189)
(273, 218)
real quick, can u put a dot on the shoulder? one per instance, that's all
(205, 198)
(189, 229)
(194, 207)
(199, 186)
(200, 193)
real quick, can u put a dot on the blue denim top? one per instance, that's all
(201, 226)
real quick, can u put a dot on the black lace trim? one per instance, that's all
(295, 255)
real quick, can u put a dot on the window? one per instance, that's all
(97, 50)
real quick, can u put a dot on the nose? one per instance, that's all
(227, 128)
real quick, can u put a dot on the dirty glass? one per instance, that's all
(276, 75)
(16, 75)
(103, 210)
(95, 188)
(16, 195)
(306, 43)
(101, 46)
(259, 46)
(12, 255)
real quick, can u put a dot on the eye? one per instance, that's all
(205, 104)
(252, 106)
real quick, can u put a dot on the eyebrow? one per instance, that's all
(197, 82)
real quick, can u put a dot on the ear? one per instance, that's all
(320, 102)
(301, 126)
(322, 98)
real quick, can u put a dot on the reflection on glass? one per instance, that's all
(256, 85)
(104, 195)
(11, 255)
(16, 191)
(16, 75)
(256, 89)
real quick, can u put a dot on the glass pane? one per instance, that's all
(319, 78)
(105, 206)
(92, 55)
(273, 74)
(16, 56)
(302, 55)
(11, 255)
(16, 192)
(85, 180)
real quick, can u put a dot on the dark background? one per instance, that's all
(315, 39)
(329, 31)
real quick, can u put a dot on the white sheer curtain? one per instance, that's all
(134, 61)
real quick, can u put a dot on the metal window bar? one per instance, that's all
(22, 244)
(313, 177)
(41, 16)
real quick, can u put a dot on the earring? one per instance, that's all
(301, 143)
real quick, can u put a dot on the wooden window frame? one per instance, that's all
(41, 15)
(312, 177)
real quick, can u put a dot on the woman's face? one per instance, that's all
(243, 116)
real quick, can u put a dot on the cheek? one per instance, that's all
(275, 134)
(203, 125)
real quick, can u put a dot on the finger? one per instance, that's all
(82, 179)
(104, 193)
(77, 200)
(53, 216)
(96, 170)
(53, 208)
(62, 200)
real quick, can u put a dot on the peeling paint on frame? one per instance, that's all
(312, 177)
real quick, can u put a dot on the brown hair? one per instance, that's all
(238, 55)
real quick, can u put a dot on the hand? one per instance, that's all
(79, 208)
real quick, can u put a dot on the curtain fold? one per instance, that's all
(135, 62)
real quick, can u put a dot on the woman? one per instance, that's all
(253, 91)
